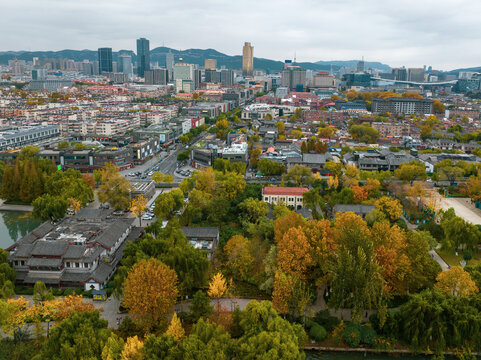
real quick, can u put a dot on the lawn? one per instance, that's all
(453, 260)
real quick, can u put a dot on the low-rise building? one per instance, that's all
(290, 196)
(83, 250)
(205, 238)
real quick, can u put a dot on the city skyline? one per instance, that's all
(411, 33)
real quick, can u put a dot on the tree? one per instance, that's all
(335, 168)
(300, 175)
(456, 282)
(40, 293)
(294, 253)
(239, 257)
(458, 232)
(413, 170)
(175, 328)
(254, 156)
(267, 336)
(200, 306)
(270, 168)
(138, 207)
(132, 349)
(80, 336)
(217, 286)
(281, 127)
(150, 292)
(392, 208)
(160, 347)
(63, 145)
(113, 348)
(47, 207)
(115, 189)
(364, 133)
(164, 205)
(356, 278)
(438, 107)
(253, 210)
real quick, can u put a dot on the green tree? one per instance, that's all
(162, 347)
(413, 170)
(253, 210)
(299, 175)
(269, 168)
(364, 133)
(63, 145)
(200, 306)
(115, 189)
(41, 294)
(80, 336)
(48, 207)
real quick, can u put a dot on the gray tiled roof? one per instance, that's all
(48, 262)
(49, 248)
(355, 208)
(74, 252)
(110, 235)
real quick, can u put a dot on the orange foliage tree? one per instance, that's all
(285, 223)
(294, 253)
(150, 292)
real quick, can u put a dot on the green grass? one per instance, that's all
(453, 260)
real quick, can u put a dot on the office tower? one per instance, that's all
(400, 74)
(247, 59)
(39, 74)
(35, 61)
(294, 78)
(210, 64)
(169, 64)
(212, 76)
(115, 66)
(360, 66)
(416, 74)
(227, 77)
(156, 77)
(125, 64)
(287, 63)
(197, 78)
(105, 60)
(143, 56)
(183, 77)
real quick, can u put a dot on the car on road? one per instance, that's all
(104, 206)
(147, 217)
(118, 213)
(272, 179)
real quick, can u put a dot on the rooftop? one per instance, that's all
(296, 191)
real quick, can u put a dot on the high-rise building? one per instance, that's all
(143, 56)
(416, 74)
(247, 59)
(125, 64)
(210, 64)
(39, 74)
(105, 60)
(360, 66)
(294, 78)
(227, 77)
(169, 64)
(212, 76)
(400, 74)
(156, 77)
(197, 78)
(184, 77)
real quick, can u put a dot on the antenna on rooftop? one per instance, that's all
(295, 57)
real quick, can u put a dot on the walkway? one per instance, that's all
(12, 207)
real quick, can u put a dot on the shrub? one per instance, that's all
(368, 334)
(467, 255)
(318, 332)
(310, 323)
(326, 320)
(352, 334)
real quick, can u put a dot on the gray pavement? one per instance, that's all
(463, 207)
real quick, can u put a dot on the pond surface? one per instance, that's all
(14, 225)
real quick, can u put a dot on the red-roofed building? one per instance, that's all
(290, 196)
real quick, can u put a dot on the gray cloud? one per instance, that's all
(444, 33)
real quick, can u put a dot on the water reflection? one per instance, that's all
(14, 225)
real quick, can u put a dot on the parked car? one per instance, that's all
(118, 213)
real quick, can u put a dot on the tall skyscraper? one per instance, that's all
(125, 64)
(169, 64)
(156, 77)
(184, 77)
(143, 56)
(210, 64)
(247, 59)
(294, 78)
(416, 74)
(105, 60)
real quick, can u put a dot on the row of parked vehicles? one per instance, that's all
(149, 215)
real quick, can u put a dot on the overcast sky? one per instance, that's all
(443, 33)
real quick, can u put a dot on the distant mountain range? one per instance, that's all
(192, 56)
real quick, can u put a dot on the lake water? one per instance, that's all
(14, 225)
